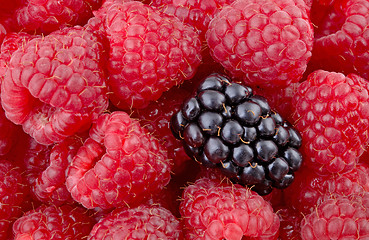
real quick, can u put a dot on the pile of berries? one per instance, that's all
(184, 119)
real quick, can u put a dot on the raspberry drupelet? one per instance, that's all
(120, 164)
(310, 188)
(267, 43)
(214, 210)
(331, 113)
(156, 119)
(195, 13)
(150, 52)
(142, 222)
(55, 85)
(66, 222)
(341, 37)
(341, 217)
(44, 17)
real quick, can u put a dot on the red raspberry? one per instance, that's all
(49, 186)
(341, 38)
(11, 43)
(197, 13)
(268, 43)
(333, 118)
(275, 198)
(54, 86)
(12, 194)
(156, 119)
(49, 15)
(309, 188)
(44, 167)
(119, 164)
(215, 210)
(142, 222)
(149, 52)
(32, 157)
(341, 217)
(51, 222)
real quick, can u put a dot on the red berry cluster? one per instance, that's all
(89, 88)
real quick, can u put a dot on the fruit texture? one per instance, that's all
(120, 164)
(155, 118)
(343, 217)
(341, 42)
(50, 15)
(197, 13)
(149, 52)
(50, 222)
(12, 41)
(267, 43)
(49, 186)
(12, 194)
(310, 188)
(214, 210)
(55, 85)
(142, 222)
(332, 116)
(224, 125)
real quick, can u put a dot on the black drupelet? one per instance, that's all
(226, 126)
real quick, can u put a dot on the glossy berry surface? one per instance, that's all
(119, 164)
(343, 217)
(266, 43)
(146, 57)
(51, 222)
(143, 222)
(331, 115)
(224, 125)
(216, 210)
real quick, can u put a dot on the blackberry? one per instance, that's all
(226, 126)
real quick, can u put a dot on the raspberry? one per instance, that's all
(156, 119)
(225, 126)
(44, 167)
(50, 15)
(195, 13)
(267, 43)
(119, 164)
(12, 195)
(142, 222)
(215, 210)
(32, 157)
(11, 43)
(51, 222)
(149, 52)
(342, 217)
(341, 38)
(332, 116)
(54, 86)
(49, 186)
(309, 188)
